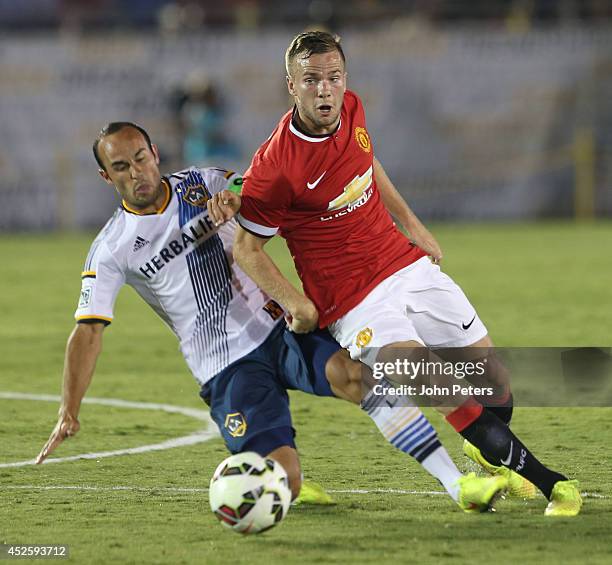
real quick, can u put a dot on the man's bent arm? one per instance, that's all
(400, 210)
(256, 263)
(82, 351)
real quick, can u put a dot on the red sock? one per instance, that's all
(462, 416)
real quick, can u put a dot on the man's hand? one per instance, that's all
(66, 427)
(223, 206)
(427, 242)
(302, 317)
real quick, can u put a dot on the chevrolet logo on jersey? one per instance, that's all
(235, 424)
(196, 195)
(354, 193)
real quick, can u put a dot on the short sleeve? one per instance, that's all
(101, 281)
(221, 179)
(266, 197)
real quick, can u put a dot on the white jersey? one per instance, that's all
(182, 266)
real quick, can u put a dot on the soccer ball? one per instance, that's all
(249, 494)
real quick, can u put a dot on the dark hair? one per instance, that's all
(312, 42)
(114, 127)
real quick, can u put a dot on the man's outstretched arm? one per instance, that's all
(400, 210)
(249, 253)
(82, 351)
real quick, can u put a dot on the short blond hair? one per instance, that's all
(311, 42)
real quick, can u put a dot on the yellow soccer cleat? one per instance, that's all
(518, 487)
(565, 499)
(313, 493)
(478, 494)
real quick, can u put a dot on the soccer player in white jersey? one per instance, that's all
(233, 337)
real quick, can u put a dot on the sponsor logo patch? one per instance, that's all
(354, 195)
(274, 309)
(236, 184)
(363, 139)
(85, 298)
(364, 337)
(235, 424)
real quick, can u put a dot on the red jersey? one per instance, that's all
(319, 193)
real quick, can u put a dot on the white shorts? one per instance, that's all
(419, 303)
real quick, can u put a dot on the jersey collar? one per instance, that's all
(125, 206)
(295, 129)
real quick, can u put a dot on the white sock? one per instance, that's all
(407, 428)
(440, 465)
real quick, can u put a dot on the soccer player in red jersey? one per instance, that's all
(316, 182)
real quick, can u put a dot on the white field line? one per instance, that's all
(196, 437)
(191, 439)
(179, 490)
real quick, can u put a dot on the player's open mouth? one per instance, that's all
(325, 109)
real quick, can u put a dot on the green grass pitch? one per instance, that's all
(542, 284)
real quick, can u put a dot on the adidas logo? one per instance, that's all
(140, 242)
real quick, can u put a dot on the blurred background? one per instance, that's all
(478, 109)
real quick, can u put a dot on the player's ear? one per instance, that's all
(155, 152)
(290, 85)
(105, 176)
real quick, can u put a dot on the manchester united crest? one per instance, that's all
(363, 139)
(235, 424)
(196, 195)
(364, 337)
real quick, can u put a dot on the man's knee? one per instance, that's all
(395, 359)
(345, 376)
(409, 350)
(496, 374)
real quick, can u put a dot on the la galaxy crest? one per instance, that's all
(195, 191)
(235, 424)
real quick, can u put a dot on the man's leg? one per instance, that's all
(380, 320)
(288, 457)
(498, 443)
(251, 408)
(444, 318)
(496, 377)
(480, 426)
(405, 427)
